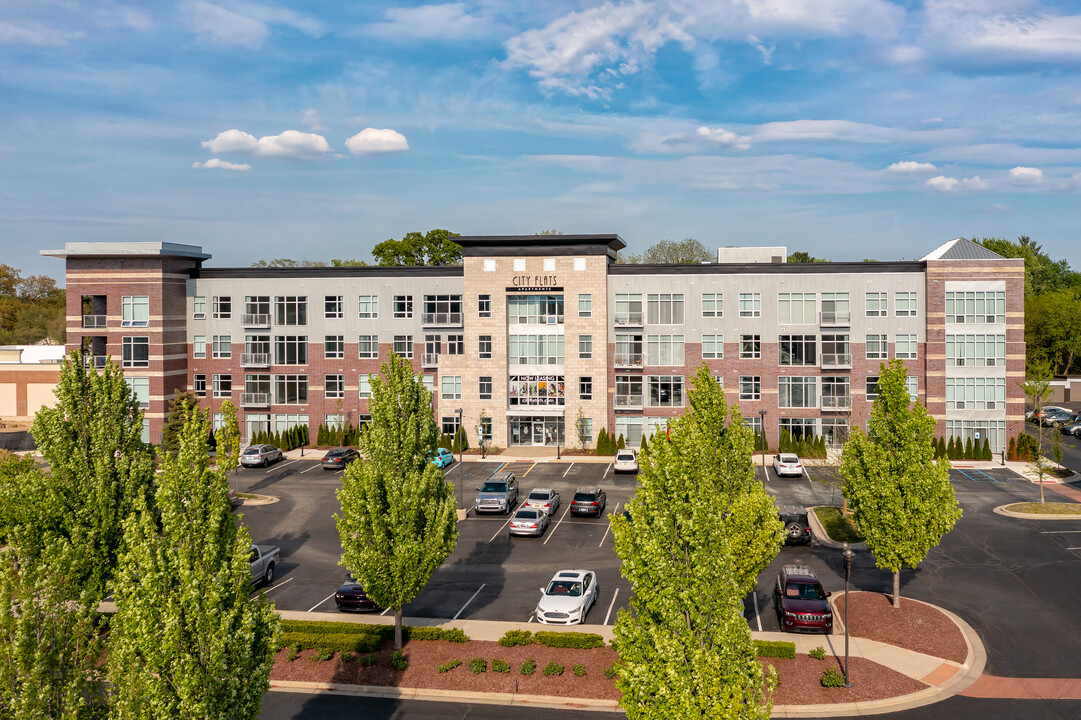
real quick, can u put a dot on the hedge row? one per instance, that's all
(775, 649)
(383, 632)
(579, 640)
(354, 642)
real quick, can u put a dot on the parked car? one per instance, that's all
(499, 493)
(1073, 428)
(544, 499)
(263, 559)
(626, 461)
(568, 597)
(797, 527)
(1033, 416)
(260, 455)
(801, 602)
(588, 500)
(351, 596)
(442, 457)
(338, 458)
(1058, 419)
(787, 465)
(528, 521)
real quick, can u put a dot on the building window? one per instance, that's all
(877, 347)
(628, 391)
(579, 264)
(291, 389)
(750, 387)
(403, 306)
(222, 307)
(489, 265)
(451, 387)
(535, 350)
(484, 347)
(975, 393)
(750, 305)
(223, 386)
(198, 346)
(257, 309)
(664, 308)
(712, 305)
(334, 347)
(519, 265)
(334, 421)
(199, 307)
(876, 304)
(449, 424)
(836, 351)
(222, 346)
(140, 387)
(797, 350)
(835, 431)
(585, 305)
(484, 389)
(485, 428)
(904, 304)
(291, 350)
(713, 347)
(199, 385)
(442, 309)
(975, 350)
(536, 390)
(662, 350)
(798, 428)
(976, 307)
(585, 347)
(403, 345)
(282, 423)
(836, 392)
(720, 380)
(585, 430)
(872, 387)
(137, 352)
(484, 306)
(255, 423)
(665, 390)
(256, 350)
(333, 307)
(904, 346)
(630, 428)
(364, 386)
(535, 310)
(750, 347)
(978, 430)
(455, 344)
(334, 386)
(912, 385)
(585, 388)
(549, 265)
(797, 392)
(628, 309)
(369, 306)
(291, 310)
(797, 308)
(369, 346)
(835, 308)
(135, 310)
(754, 424)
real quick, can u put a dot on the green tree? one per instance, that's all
(188, 640)
(1053, 328)
(398, 521)
(174, 420)
(1042, 274)
(1037, 388)
(702, 531)
(801, 256)
(435, 247)
(348, 262)
(287, 263)
(900, 495)
(689, 251)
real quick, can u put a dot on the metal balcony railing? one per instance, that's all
(629, 401)
(259, 320)
(628, 319)
(836, 402)
(255, 359)
(830, 318)
(629, 360)
(94, 361)
(93, 321)
(451, 319)
(836, 361)
(255, 400)
(429, 359)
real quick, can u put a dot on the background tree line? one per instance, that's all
(31, 308)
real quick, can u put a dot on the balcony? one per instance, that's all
(836, 403)
(836, 361)
(628, 402)
(829, 318)
(95, 361)
(255, 400)
(94, 321)
(630, 360)
(429, 360)
(257, 360)
(628, 319)
(447, 319)
(256, 320)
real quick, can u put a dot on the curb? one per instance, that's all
(820, 534)
(1002, 510)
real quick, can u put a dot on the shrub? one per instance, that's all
(579, 670)
(347, 656)
(528, 667)
(819, 653)
(516, 637)
(478, 665)
(323, 655)
(433, 633)
(611, 671)
(553, 668)
(500, 666)
(449, 665)
(292, 654)
(333, 641)
(398, 660)
(367, 660)
(583, 641)
(832, 678)
(775, 649)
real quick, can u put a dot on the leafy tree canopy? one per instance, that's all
(434, 247)
(1042, 274)
(801, 256)
(32, 309)
(672, 252)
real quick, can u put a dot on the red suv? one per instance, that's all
(802, 604)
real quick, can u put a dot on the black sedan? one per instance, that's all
(351, 596)
(1058, 419)
(338, 458)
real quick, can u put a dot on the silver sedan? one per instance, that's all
(528, 521)
(544, 499)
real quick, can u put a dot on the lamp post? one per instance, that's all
(846, 552)
(460, 455)
(762, 424)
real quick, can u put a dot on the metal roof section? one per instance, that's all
(129, 250)
(785, 268)
(962, 249)
(360, 271)
(537, 245)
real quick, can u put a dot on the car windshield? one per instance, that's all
(526, 515)
(538, 495)
(494, 487)
(587, 497)
(569, 588)
(805, 591)
(251, 451)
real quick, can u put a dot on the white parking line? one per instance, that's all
(310, 469)
(273, 587)
(1076, 548)
(328, 597)
(281, 465)
(530, 618)
(610, 606)
(754, 601)
(568, 469)
(385, 611)
(609, 528)
(510, 516)
(551, 531)
(606, 470)
(468, 601)
(1056, 532)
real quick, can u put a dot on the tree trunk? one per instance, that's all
(897, 589)
(397, 628)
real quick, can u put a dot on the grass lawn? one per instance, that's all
(839, 529)
(1051, 508)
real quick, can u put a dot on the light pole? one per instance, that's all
(846, 552)
(460, 456)
(762, 424)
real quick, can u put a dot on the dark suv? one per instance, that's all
(801, 603)
(588, 501)
(797, 528)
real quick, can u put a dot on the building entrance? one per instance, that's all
(536, 431)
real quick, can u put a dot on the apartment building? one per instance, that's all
(544, 340)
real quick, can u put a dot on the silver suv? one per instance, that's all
(499, 493)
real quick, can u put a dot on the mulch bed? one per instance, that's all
(913, 626)
(800, 681)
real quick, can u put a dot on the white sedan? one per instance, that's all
(568, 597)
(626, 461)
(787, 464)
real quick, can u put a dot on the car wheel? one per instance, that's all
(268, 577)
(793, 530)
(264, 462)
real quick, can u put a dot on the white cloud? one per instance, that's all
(243, 24)
(291, 143)
(448, 21)
(999, 31)
(216, 164)
(908, 166)
(974, 183)
(1026, 175)
(114, 14)
(720, 136)
(35, 34)
(942, 183)
(371, 141)
(312, 120)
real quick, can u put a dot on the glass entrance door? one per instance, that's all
(538, 432)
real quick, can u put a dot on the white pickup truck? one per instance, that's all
(264, 558)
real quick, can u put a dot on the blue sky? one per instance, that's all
(847, 128)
